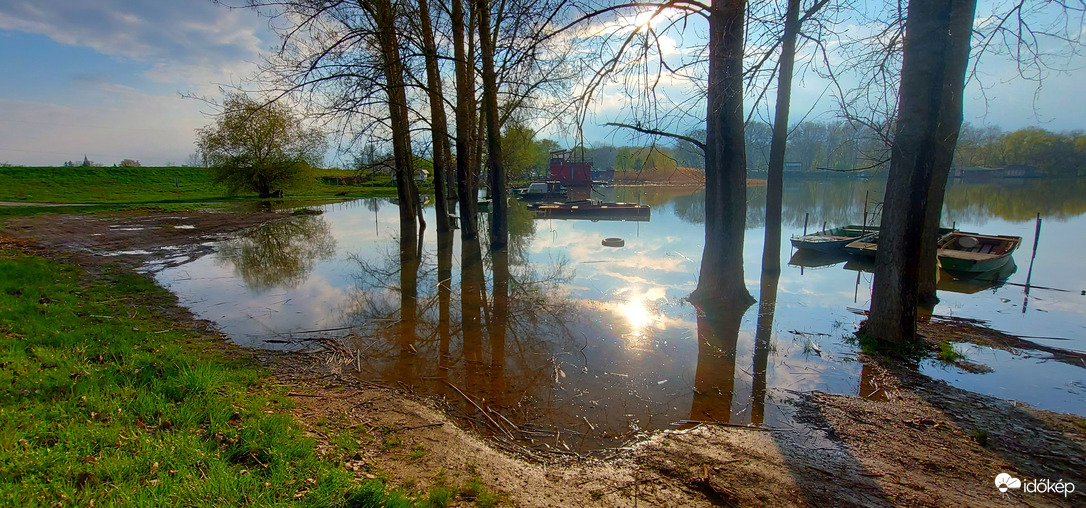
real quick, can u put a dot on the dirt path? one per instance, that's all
(922, 443)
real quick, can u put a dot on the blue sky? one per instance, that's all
(105, 78)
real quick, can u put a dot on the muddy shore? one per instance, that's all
(919, 442)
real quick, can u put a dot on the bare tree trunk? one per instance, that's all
(465, 126)
(771, 251)
(725, 159)
(406, 190)
(480, 126)
(914, 155)
(950, 123)
(439, 126)
(499, 226)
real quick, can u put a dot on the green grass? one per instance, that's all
(947, 353)
(103, 399)
(101, 185)
(980, 437)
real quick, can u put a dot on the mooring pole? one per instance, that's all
(863, 229)
(805, 217)
(1029, 274)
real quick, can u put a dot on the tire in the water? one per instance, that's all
(614, 242)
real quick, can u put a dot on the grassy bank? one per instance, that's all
(154, 185)
(105, 400)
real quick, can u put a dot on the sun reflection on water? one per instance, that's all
(640, 313)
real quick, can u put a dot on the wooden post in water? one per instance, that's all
(823, 227)
(1029, 274)
(863, 229)
(805, 217)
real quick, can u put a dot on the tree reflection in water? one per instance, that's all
(279, 253)
(720, 312)
(714, 380)
(763, 335)
(497, 347)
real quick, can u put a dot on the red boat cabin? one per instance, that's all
(571, 169)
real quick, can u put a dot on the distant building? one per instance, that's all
(793, 168)
(570, 168)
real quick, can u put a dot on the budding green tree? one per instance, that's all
(259, 147)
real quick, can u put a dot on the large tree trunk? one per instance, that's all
(465, 125)
(771, 250)
(499, 226)
(725, 159)
(439, 126)
(914, 155)
(950, 123)
(406, 190)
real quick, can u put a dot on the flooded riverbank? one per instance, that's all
(596, 344)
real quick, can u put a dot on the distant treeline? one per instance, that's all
(826, 146)
(1054, 154)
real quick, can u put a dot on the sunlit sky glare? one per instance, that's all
(105, 78)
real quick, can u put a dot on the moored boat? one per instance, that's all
(976, 253)
(591, 209)
(833, 240)
(866, 247)
(550, 190)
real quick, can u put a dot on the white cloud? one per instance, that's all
(182, 32)
(184, 46)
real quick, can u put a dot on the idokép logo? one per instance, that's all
(1005, 482)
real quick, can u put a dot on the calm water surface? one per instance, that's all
(598, 343)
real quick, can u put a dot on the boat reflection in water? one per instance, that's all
(815, 259)
(954, 282)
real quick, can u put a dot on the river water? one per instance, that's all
(594, 345)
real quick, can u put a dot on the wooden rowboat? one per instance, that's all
(976, 253)
(833, 240)
(866, 247)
